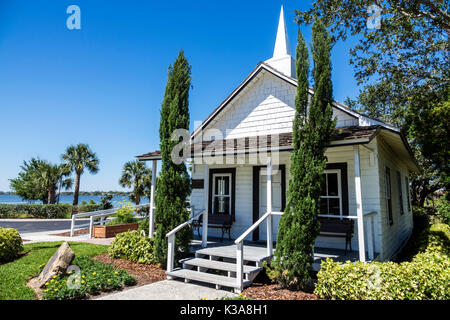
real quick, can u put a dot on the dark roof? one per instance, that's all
(259, 143)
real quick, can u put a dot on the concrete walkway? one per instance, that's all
(170, 290)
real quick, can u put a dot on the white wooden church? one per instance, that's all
(240, 174)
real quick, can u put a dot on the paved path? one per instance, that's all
(170, 290)
(39, 225)
(38, 230)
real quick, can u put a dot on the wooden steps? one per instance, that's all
(206, 278)
(219, 265)
(216, 265)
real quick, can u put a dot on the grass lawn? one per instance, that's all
(15, 275)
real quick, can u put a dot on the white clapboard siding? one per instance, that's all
(393, 237)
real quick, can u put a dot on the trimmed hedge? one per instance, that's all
(10, 244)
(40, 211)
(427, 276)
(132, 246)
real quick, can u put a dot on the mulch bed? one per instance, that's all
(144, 274)
(76, 233)
(265, 291)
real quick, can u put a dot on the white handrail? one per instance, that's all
(240, 246)
(171, 240)
(181, 226)
(252, 227)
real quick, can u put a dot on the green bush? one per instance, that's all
(89, 206)
(427, 276)
(124, 215)
(444, 211)
(39, 211)
(10, 244)
(94, 278)
(133, 246)
(144, 225)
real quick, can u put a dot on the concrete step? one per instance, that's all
(251, 254)
(219, 265)
(206, 278)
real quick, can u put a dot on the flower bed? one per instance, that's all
(93, 279)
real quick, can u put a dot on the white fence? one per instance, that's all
(95, 215)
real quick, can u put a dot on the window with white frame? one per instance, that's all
(331, 193)
(400, 192)
(222, 193)
(408, 196)
(389, 196)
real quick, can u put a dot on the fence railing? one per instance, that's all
(369, 229)
(95, 215)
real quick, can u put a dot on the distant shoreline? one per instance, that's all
(82, 193)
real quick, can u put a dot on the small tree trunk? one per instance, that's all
(76, 193)
(51, 196)
(137, 198)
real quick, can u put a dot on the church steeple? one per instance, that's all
(282, 59)
(282, 47)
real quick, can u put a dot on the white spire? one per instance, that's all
(282, 47)
(282, 59)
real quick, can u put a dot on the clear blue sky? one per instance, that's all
(103, 85)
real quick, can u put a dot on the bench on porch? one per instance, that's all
(218, 221)
(337, 228)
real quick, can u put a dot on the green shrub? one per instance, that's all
(94, 278)
(444, 210)
(89, 206)
(39, 211)
(144, 225)
(10, 244)
(133, 246)
(427, 276)
(125, 214)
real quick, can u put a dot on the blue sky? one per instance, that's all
(103, 85)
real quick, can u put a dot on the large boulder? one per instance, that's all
(57, 265)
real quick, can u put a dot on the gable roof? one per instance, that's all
(264, 67)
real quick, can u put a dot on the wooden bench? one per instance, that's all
(330, 227)
(218, 221)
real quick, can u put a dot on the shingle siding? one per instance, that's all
(265, 107)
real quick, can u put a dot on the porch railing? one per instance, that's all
(369, 229)
(95, 215)
(240, 245)
(171, 236)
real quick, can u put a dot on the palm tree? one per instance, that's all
(49, 176)
(77, 159)
(135, 174)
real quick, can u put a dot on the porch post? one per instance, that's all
(269, 208)
(152, 200)
(359, 207)
(205, 214)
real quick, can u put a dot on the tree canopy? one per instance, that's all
(136, 175)
(403, 68)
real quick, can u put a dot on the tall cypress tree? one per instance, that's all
(174, 184)
(312, 130)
